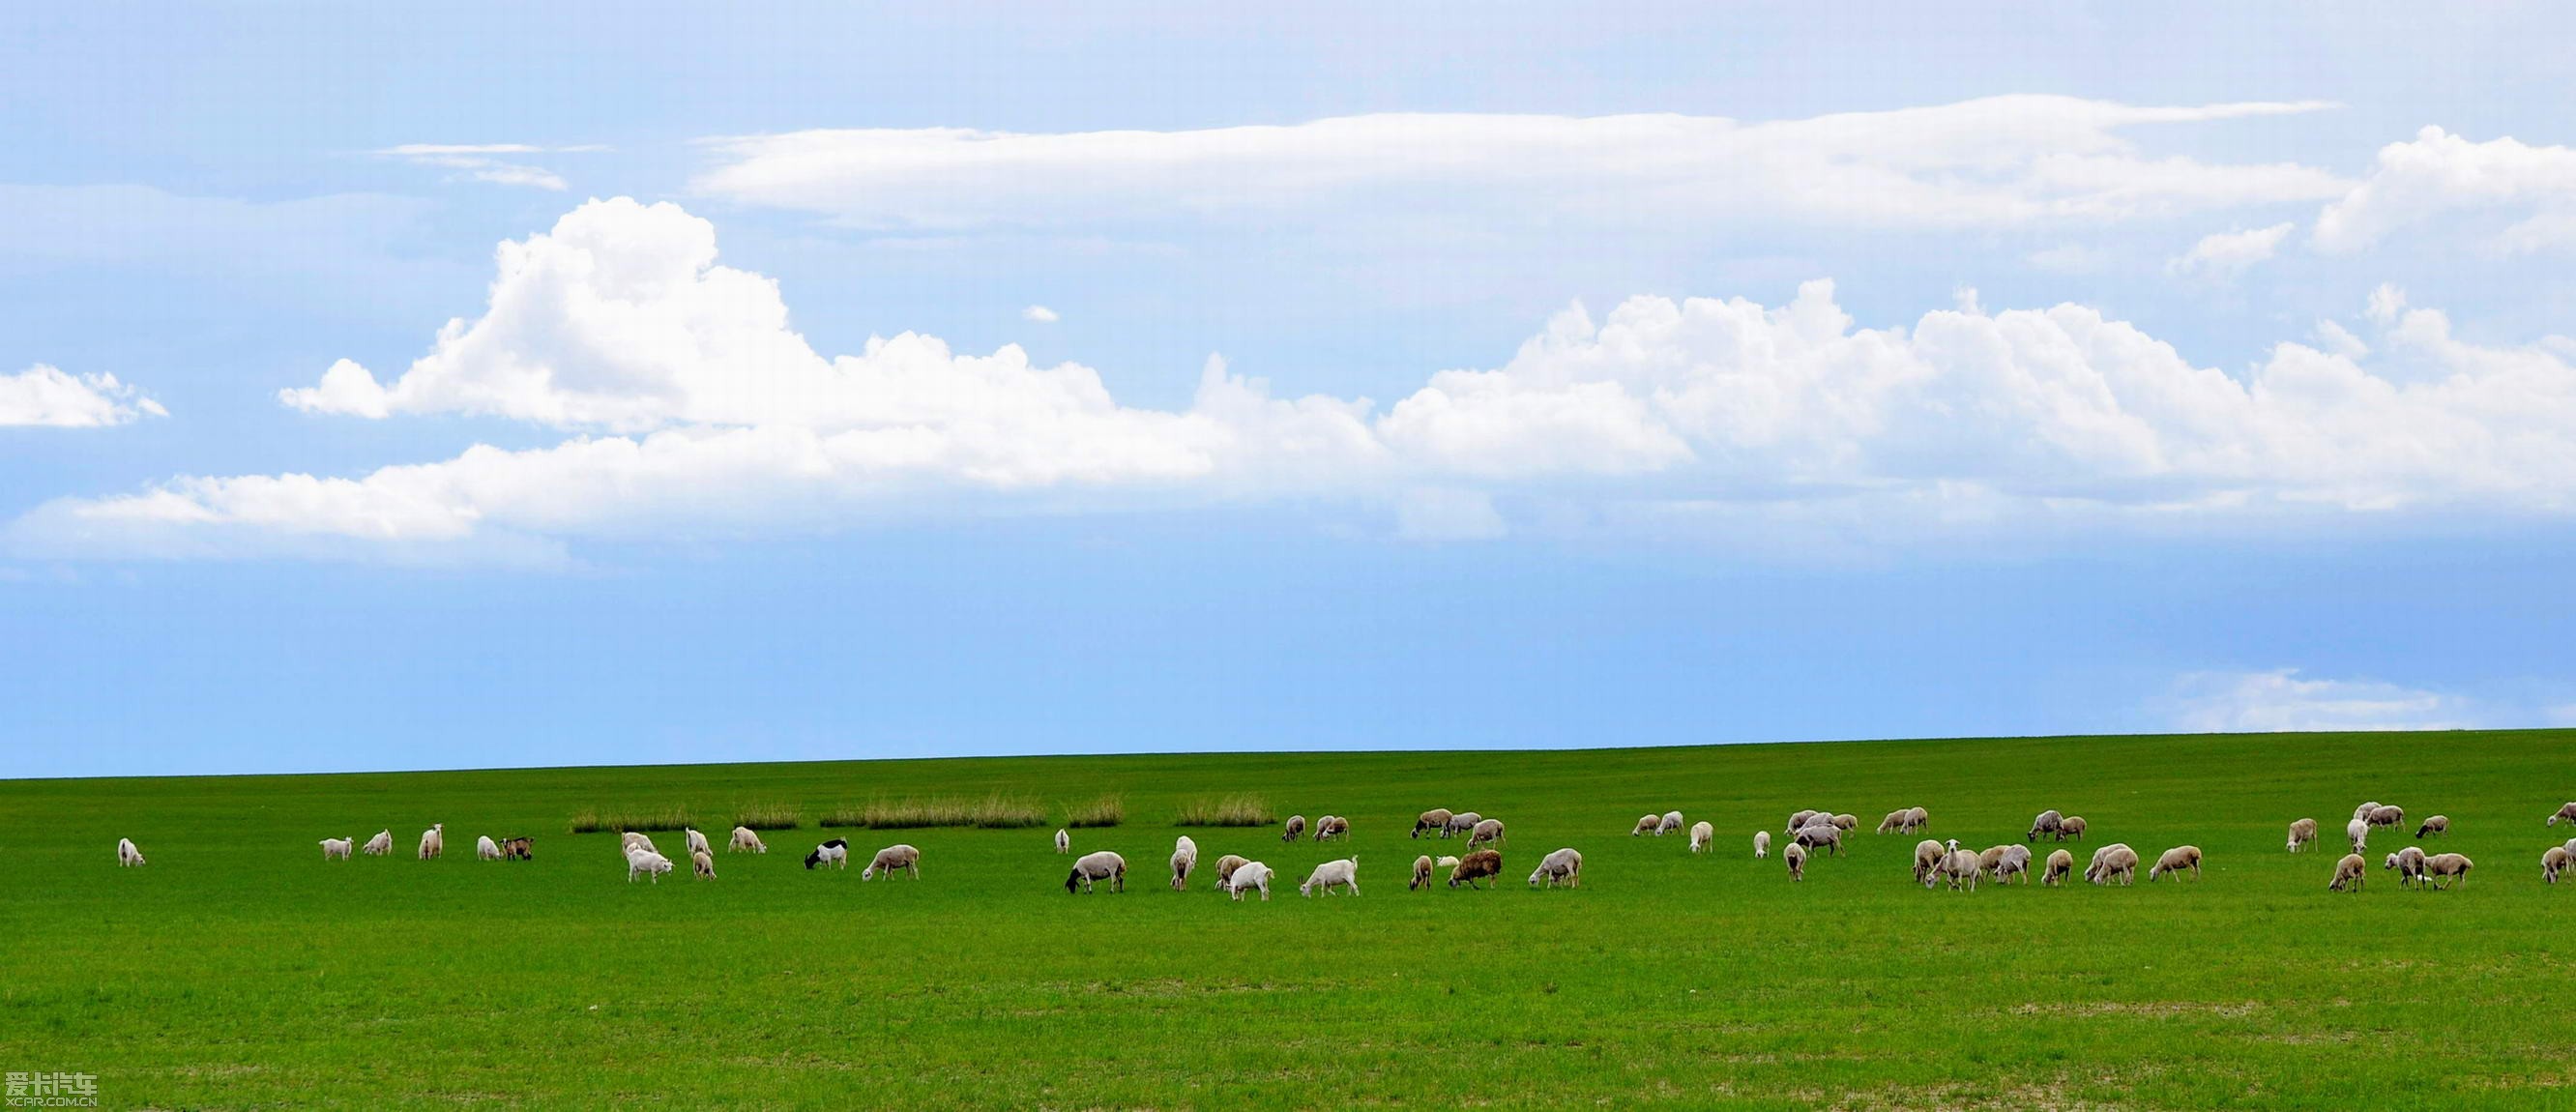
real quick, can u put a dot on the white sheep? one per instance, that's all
(1761, 844)
(2047, 823)
(1916, 818)
(891, 860)
(697, 841)
(1957, 866)
(1672, 822)
(1702, 836)
(746, 840)
(2451, 867)
(2363, 811)
(1821, 835)
(1927, 857)
(1795, 856)
(381, 844)
(2437, 824)
(703, 863)
(1249, 876)
(1487, 831)
(1649, 823)
(433, 841)
(2408, 864)
(485, 849)
(1447, 862)
(2357, 832)
(2303, 834)
(1564, 866)
(126, 854)
(2175, 862)
(2566, 811)
(1063, 842)
(2060, 864)
(1461, 823)
(1894, 823)
(2014, 861)
(646, 863)
(1185, 857)
(337, 847)
(2553, 861)
(1344, 873)
(2349, 873)
(1093, 867)
(634, 840)
(2114, 860)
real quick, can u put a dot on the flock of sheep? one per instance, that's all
(1809, 833)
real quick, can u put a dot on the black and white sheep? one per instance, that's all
(1435, 820)
(835, 853)
(2437, 824)
(1091, 868)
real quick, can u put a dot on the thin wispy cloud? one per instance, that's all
(44, 395)
(495, 163)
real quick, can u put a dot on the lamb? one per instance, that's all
(126, 855)
(337, 847)
(891, 860)
(433, 841)
(2566, 811)
(1421, 874)
(1927, 856)
(697, 841)
(1332, 826)
(1761, 844)
(2047, 823)
(1445, 862)
(1795, 856)
(1649, 823)
(835, 853)
(1435, 820)
(1894, 823)
(485, 849)
(1063, 842)
(2060, 863)
(1672, 822)
(704, 863)
(746, 840)
(2348, 873)
(521, 848)
(2450, 867)
(2303, 834)
(2357, 832)
(1249, 876)
(1461, 823)
(1702, 836)
(1225, 867)
(2438, 824)
(646, 863)
(1103, 865)
(381, 844)
(1821, 835)
(2553, 861)
(1296, 825)
(1563, 866)
(2408, 863)
(1489, 830)
(2114, 860)
(1478, 864)
(1343, 873)
(2174, 861)
(1185, 857)
(2072, 826)
(2386, 816)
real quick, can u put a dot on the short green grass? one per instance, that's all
(240, 970)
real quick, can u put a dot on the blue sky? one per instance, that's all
(627, 383)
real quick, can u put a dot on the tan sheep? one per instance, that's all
(1647, 824)
(1927, 856)
(2047, 823)
(1894, 823)
(1761, 844)
(2386, 816)
(1185, 857)
(2438, 824)
(1797, 820)
(2408, 864)
(704, 863)
(1421, 872)
(1846, 822)
(1703, 837)
(2013, 862)
(2303, 834)
(2553, 861)
(1332, 826)
(1225, 867)
(1486, 832)
(2072, 826)
(1435, 820)
(2566, 811)
(2114, 860)
(2451, 867)
(1916, 819)
(1795, 856)
(2175, 862)
(2349, 873)
(1296, 827)
(2060, 863)
(893, 859)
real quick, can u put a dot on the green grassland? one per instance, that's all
(238, 969)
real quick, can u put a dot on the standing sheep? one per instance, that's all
(697, 841)
(2387, 816)
(1295, 826)
(2348, 873)
(1672, 822)
(2303, 834)
(1761, 844)
(703, 863)
(2566, 811)
(485, 849)
(1917, 820)
(1797, 820)
(1564, 866)
(1482, 864)
(1648, 823)
(1093, 867)
(1185, 857)
(2357, 832)
(1332, 826)
(381, 844)
(2012, 861)
(2363, 811)
(1486, 832)
(2450, 867)
(2175, 861)
(337, 847)
(2553, 861)
(2114, 860)
(893, 858)
(126, 855)
(1958, 866)
(1927, 857)
(2060, 863)
(1225, 867)
(1063, 841)
(745, 839)
(1249, 876)
(2072, 826)
(1846, 822)
(1421, 874)
(1894, 823)
(2408, 864)
(835, 853)
(1435, 820)
(1461, 823)
(433, 841)
(1795, 856)
(1344, 873)
(2438, 824)
(646, 863)
(2047, 823)
(1821, 835)
(1703, 836)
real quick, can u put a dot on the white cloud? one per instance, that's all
(1039, 314)
(484, 162)
(43, 395)
(2280, 701)
(2225, 255)
(696, 406)
(2000, 161)
(2439, 174)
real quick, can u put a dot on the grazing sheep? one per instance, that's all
(1761, 844)
(746, 840)
(1648, 823)
(1296, 825)
(2363, 811)
(1343, 873)
(2450, 867)
(2387, 816)
(2553, 861)
(2357, 832)
(1797, 820)
(1958, 866)
(2114, 860)
(1185, 857)
(1461, 823)
(1564, 866)
(2348, 873)
(337, 847)
(2014, 863)
(2303, 834)
(1487, 831)
(2438, 824)
(1846, 822)
(2060, 863)
(1478, 864)
(835, 853)
(1795, 856)
(1927, 857)
(1445, 862)
(1225, 867)
(1421, 874)
(1703, 836)
(1917, 819)
(1332, 826)
(2175, 861)
(1821, 835)
(485, 849)
(892, 859)
(646, 863)
(126, 854)
(1894, 823)
(2408, 863)
(1435, 820)
(704, 863)
(697, 841)
(1672, 822)
(1063, 842)
(1093, 867)
(520, 848)
(2566, 811)
(2571, 846)
(2072, 826)
(1249, 876)
(381, 844)
(2047, 823)
(433, 841)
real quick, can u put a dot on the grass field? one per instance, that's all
(238, 969)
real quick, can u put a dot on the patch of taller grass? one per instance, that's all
(996, 811)
(1108, 810)
(598, 820)
(1231, 810)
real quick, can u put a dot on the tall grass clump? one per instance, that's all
(767, 816)
(596, 820)
(1108, 810)
(996, 811)
(1232, 810)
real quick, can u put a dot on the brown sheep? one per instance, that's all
(1421, 872)
(2438, 824)
(2060, 863)
(2072, 826)
(1927, 855)
(1647, 824)
(2450, 867)
(2175, 861)
(2303, 834)
(2349, 873)
(1482, 864)
(1225, 867)
(1846, 822)
(1332, 826)
(1296, 826)
(1435, 820)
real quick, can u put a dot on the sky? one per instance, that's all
(639, 383)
